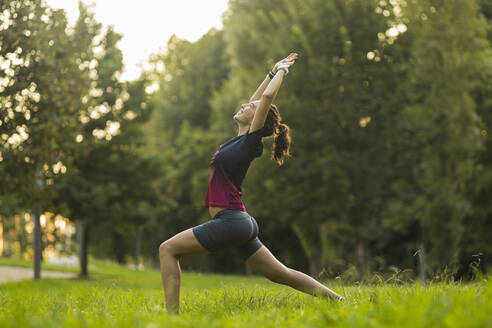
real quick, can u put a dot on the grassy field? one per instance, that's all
(118, 297)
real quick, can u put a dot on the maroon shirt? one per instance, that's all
(229, 166)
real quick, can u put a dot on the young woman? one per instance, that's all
(231, 225)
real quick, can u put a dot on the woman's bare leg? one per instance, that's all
(263, 262)
(184, 243)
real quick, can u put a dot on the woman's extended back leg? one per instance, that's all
(263, 262)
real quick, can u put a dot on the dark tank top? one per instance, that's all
(229, 165)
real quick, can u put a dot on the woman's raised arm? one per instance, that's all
(266, 81)
(270, 93)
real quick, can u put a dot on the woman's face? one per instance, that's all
(247, 112)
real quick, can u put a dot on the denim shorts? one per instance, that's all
(229, 228)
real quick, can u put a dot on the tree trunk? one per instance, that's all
(314, 265)
(23, 240)
(422, 263)
(3, 235)
(37, 241)
(138, 246)
(83, 238)
(6, 251)
(118, 247)
(155, 258)
(360, 260)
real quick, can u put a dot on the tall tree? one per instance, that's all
(476, 248)
(109, 178)
(448, 62)
(40, 98)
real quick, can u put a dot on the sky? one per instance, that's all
(147, 25)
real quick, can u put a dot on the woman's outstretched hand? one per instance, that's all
(289, 60)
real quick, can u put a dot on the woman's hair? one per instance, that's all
(281, 140)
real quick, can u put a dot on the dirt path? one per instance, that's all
(9, 273)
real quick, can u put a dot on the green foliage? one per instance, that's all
(109, 186)
(449, 60)
(40, 99)
(385, 105)
(389, 107)
(478, 227)
(68, 125)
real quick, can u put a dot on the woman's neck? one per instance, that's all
(243, 129)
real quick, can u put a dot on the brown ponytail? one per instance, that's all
(281, 133)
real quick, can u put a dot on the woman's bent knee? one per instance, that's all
(165, 248)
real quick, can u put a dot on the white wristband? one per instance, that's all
(284, 67)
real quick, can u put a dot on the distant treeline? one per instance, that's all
(389, 105)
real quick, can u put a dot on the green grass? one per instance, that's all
(118, 297)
